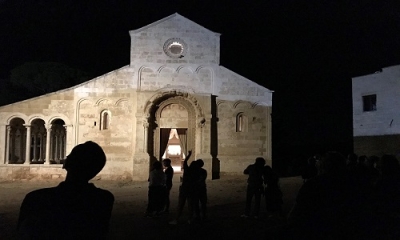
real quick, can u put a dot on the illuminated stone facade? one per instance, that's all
(174, 80)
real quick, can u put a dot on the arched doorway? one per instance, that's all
(174, 150)
(171, 112)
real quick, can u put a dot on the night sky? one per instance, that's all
(306, 51)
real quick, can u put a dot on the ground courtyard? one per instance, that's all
(226, 204)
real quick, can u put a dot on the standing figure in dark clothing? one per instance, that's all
(323, 203)
(385, 200)
(169, 174)
(75, 209)
(273, 193)
(255, 186)
(352, 163)
(156, 193)
(372, 172)
(185, 189)
(199, 202)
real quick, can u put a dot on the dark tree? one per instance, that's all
(44, 77)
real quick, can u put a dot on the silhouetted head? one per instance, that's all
(260, 161)
(311, 161)
(200, 163)
(372, 160)
(193, 164)
(85, 161)
(362, 159)
(166, 162)
(333, 163)
(352, 158)
(389, 165)
(156, 165)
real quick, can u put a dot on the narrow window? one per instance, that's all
(369, 103)
(239, 122)
(105, 120)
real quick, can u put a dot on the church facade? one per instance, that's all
(174, 82)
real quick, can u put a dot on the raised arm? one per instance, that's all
(185, 165)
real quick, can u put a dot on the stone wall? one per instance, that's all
(31, 172)
(238, 149)
(147, 43)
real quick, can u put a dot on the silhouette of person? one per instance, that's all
(321, 205)
(75, 209)
(185, 189)
(255, 186)
(273, 193)
(169, 174)
(372, 172)
(310, 169)
(386, 196)
(199, 200)
(352, 163)
(156, 194)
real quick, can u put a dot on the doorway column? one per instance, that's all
(8, 138)
(146, 131)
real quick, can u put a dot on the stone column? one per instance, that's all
(199, 135)
(146, 133)
(48, 135)
(68, 138)
(28, 144)
(7, 159)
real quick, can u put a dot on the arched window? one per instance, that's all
(241, 122)
(58, 139)
(16, 142)
(105, 118)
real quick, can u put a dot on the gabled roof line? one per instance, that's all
(65, 89)
(271, 91)
(165, 19)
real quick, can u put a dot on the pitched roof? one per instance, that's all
(175, 15)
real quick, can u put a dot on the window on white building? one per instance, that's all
(369, 103)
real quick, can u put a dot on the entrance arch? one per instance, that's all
(172, 110)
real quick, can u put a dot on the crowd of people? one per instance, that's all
(348, 198)
(262, 181)
(192, 190)
(341, 198)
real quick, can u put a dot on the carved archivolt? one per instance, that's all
(201, 72)
(47, 119)
(17, 115)
(164, 98)
(238, 104)
(120, 101)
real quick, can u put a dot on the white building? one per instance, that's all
(376, 112)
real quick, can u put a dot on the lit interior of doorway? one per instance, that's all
(174, 151)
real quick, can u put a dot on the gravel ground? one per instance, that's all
(226, 203)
